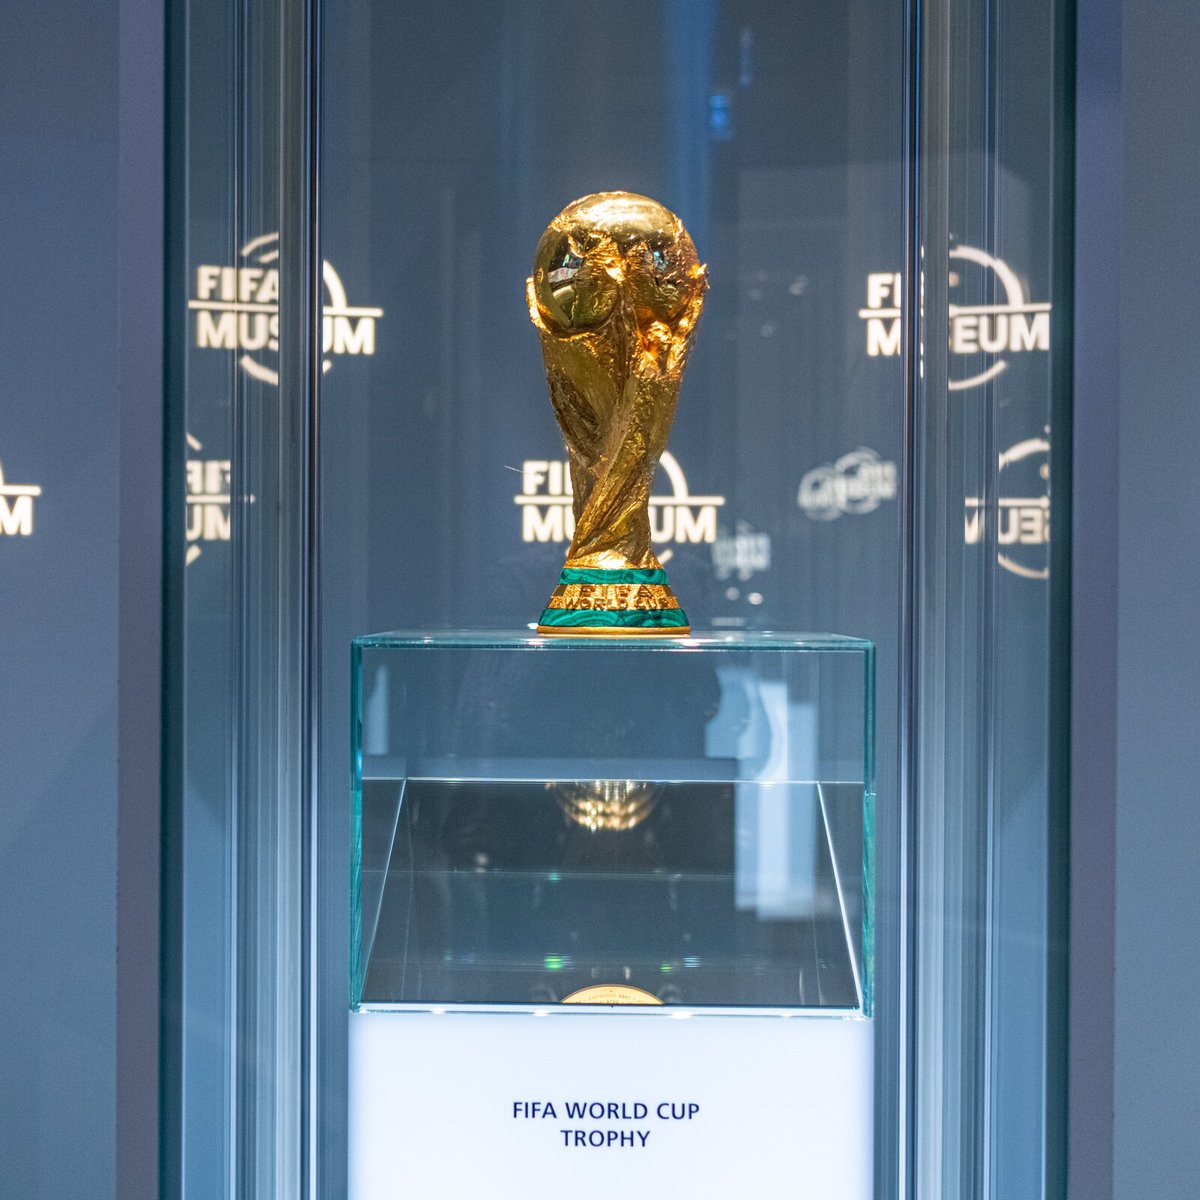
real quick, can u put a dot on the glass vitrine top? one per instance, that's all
(737, 641)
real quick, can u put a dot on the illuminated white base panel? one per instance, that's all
(493, 1106)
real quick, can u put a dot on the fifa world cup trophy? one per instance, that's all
(615, 295)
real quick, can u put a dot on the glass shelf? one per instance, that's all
(734, 641)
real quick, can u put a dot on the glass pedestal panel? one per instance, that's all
(564, 822)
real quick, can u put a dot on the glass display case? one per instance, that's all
(711, 871)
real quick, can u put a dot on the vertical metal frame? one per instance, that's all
(1099, 164)
(924, 736)
(1062, 610)
(139, 705)
(171, 982)
(299, 393)
(275, 586)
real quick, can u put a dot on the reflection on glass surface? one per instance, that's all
(490, 896)
(611, 805)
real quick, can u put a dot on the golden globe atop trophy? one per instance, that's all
(615, 295)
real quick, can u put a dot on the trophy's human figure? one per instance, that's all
(615, 295)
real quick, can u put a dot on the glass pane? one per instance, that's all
(451, 137)
(204, 183)
(235, 1102)
(990, 419)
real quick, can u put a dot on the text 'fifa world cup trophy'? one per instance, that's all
(615, 295)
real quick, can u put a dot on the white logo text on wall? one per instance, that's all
(679, 517)
(16, 507)
(1015, 325)
(237, 308)
(207, 500)
(856, 484)
(1021, 512)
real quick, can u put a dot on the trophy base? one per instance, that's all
(614, 631)
(632, 602)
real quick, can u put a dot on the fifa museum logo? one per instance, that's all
(207, 501)
(1021, 512)
(1016, 325)
(16, 507)
(678, 517)
(856, 484)
(237, 308)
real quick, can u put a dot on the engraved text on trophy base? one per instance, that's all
(613, 596)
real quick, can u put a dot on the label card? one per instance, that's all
(463, 1105)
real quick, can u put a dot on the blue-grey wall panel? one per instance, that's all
(58, 594)
(1094, 597)
(1157, 1000)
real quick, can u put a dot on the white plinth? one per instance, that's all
(442, 1106)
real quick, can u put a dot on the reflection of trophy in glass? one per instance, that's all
(607, 804)
(615, 294)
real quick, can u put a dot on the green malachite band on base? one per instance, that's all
(614, 618)
(622, 588)
(624, 575)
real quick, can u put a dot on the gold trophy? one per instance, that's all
(615, 294)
